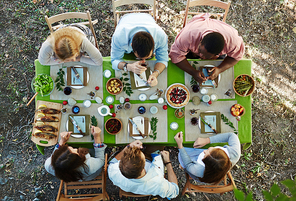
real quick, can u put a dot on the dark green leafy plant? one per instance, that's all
(273, 194)
(126, 85)
(153, 123)
(60, 82)
(193, 82)
(94, 121)
(229, 123)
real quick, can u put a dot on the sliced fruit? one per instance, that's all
(38, 131)
(39, 123)
(40, 115)
(42, 106)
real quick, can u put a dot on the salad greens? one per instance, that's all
(43, 84)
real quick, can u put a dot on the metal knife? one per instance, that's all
(77, 136)
(76, 125)
(141, 78)
(208, 125)
(136, 126)
(76, 74)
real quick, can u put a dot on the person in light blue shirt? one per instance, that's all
(139, 33)
(209, 165)
(132, 173)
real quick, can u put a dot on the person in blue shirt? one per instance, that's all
(209, 165)
(139, 33)
(132, 173)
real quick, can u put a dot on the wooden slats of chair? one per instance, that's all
(98, 182)
(128, 194)
(189, 187)
(214, 3)
(72, 15)
(118, 3)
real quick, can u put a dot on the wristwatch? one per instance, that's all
(125, 67)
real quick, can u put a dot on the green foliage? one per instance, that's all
(60, 82)
(229, 123)
(153, 123)
(43, 84)
(274, 194)
(94, 121)
(126, 85)
(247, 156)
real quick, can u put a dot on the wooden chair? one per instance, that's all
(72, 15)
(118, 3)
(98, 182)
(214, 3)
(127, 194)
(209, 188)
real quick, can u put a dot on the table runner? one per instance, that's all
(174, 74)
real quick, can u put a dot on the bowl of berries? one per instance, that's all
(177, 95)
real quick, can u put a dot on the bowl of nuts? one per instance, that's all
(114, 86)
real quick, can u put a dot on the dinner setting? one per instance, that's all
(144, 96)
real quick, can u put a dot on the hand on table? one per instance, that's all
(136, 143)
(136, 67)
(215, 72)
(96, 132)
(199, 77)
(152, 80)
(200, 142)
(165, 156)
(64, 137)
(179, 139)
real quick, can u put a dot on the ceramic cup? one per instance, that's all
(153, 109)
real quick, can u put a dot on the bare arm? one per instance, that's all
(153, 77)
(171, 174)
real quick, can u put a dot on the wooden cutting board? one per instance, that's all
(42, 141)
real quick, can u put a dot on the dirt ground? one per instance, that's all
(268, 28)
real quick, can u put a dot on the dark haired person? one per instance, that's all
(209, 165)
(139, 33)
(205, 38)
(71, 164)
(132, 173)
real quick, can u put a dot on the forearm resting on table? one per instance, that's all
(228, 62)
(158, 68)
(171, 174)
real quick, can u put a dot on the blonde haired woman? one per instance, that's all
(70, 43)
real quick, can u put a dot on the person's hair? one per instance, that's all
(217, 164)
(213, 42)
(131, 163)
(142, 44)
(66, 164)
(66, 42)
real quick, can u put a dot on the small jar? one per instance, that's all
(141, 110)
(203, 91)
(75, 109)
(174, 125)
(86, 103)
(160, 100)
(205, 98)
(214, 97)
(142, 97)
(109, 99)
(107, 73)
(153, 109)
(71, 101)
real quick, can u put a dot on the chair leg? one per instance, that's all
(120, 193)
(187, 185)
(60, 190)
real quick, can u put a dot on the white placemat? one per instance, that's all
(95, 79)
(162, 128)
(193, 132)
(92, 110)
(162, 82)
(225, 83)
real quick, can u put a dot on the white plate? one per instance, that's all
(199, 123)
(80, 87)
(219, 76)
(138, 137)
(165, 95)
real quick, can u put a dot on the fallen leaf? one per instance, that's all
(294, 29)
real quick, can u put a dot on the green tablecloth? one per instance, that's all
(174, 75)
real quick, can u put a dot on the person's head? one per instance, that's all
(211, 45)
(65, 161)
(143, 45)
(67, 43)
(217, 164)
(132, 163)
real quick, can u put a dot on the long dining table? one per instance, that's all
(165, 135)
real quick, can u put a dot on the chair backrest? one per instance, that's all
(98, 183)
(209, 188)
(118, 3)
(214, 3)
(71, 15)
(128, 194)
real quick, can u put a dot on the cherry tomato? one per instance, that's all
(165, 107)
(97, 88)
(111, 106)
(65, 102)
